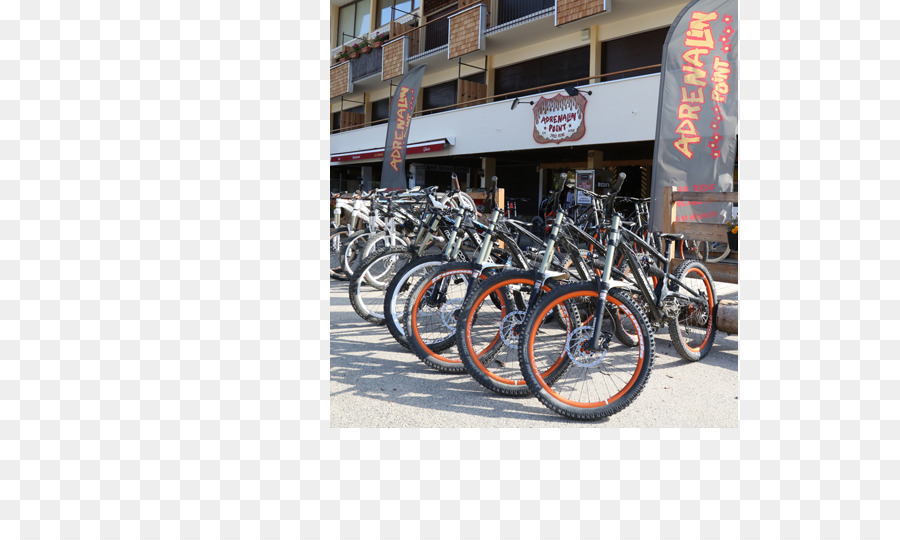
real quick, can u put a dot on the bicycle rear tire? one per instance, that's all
(693, 331)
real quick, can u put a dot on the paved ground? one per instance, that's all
(377, 383)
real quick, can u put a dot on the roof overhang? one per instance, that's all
(434, 145)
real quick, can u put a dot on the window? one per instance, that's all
(397, 8)
(644, 49)
(555, 68)
(439, 95)
(353, 21)
(380, 111)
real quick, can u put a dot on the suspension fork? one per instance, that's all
(603, 285)
(454, 232)
(488, 241)
(542, 273)
(449, 253)
(427, 233)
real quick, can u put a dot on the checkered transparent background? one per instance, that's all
(163, 322)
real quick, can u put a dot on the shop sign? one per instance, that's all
(558, 119)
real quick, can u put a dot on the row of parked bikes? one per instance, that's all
(566, 312)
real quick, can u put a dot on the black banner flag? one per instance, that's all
(696, 124)
(393, 169)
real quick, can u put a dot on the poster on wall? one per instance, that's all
(584, 180)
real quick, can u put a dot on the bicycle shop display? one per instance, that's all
(566, 312)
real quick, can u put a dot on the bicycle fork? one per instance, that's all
(603, 285)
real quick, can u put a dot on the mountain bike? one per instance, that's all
(432, 309)
(605, 347)
(487, 331)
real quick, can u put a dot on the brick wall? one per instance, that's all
(340, 79)
(392, 59)
(572, 10)
(465, 32)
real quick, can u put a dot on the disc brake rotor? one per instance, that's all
(510, 327)
(450, 313)
(577, 347)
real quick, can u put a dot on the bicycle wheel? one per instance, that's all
(647, 236)
(693, 330)
(487, 334)
(382, 240)
(351, 252)
(693, 250)
(369, 284)
(432, 311)
(398, 291)
(336, 241)
(718, 252)
(595, 384)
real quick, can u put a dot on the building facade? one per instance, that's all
(494, 97)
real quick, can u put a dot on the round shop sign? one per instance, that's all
(558, 119)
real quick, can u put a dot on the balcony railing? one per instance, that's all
(428, 37)
(366, 65)
(510, 10)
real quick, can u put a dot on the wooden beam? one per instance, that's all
(707, 232)
(705, 196)
(564, 165)
(668, 217)
(668, 210)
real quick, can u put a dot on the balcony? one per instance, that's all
(511, 10)
(366, 65)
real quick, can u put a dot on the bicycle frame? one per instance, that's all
(655, 298)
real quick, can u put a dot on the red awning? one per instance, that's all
(378, 153)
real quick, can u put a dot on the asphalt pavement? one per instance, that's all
(376, 383)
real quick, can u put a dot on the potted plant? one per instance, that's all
(732, 234)
(342, 56)
(378, 40)
(354, 51)
(364, 45)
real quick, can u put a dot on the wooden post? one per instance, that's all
(668, 216)
(709, 232)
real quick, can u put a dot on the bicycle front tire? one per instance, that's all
(594, 384)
